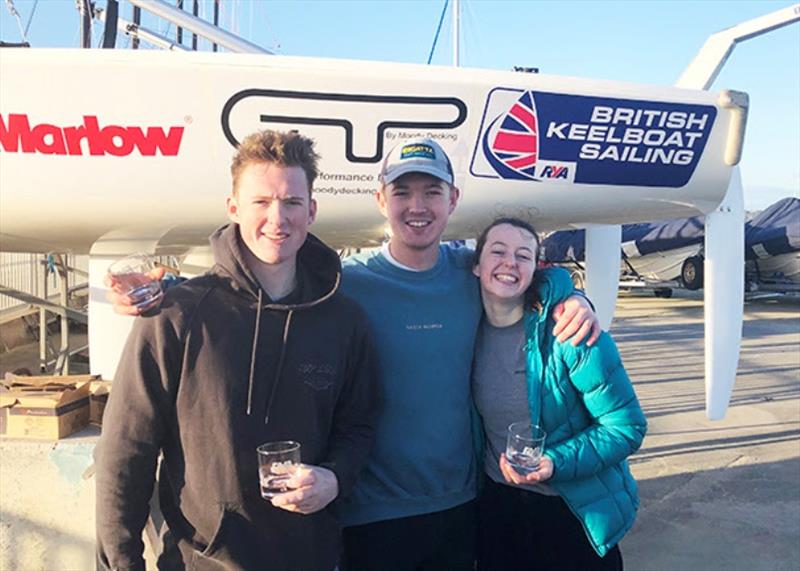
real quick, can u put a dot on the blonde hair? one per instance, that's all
(283, 148)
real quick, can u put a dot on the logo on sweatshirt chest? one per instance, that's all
(424, 326)
(318, 376)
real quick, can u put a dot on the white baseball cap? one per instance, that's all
(416, 155)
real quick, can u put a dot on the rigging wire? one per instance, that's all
(77, 35)
(250, 23)
(13, 11)
(438, 29)
(165, 26)
(276, 41)
(223, 17)
(30, 18)
(471, 30)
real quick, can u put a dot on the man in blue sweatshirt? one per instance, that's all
(412, 507)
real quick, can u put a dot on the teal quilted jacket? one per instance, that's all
(584, 400)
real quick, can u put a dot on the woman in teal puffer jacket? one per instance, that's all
(571, 511)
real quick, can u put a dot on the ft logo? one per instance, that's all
(362, 120)
(510, 145)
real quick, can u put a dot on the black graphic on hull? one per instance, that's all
(343, 122)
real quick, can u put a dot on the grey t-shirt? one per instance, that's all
(500, 392)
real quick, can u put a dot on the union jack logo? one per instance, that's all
(511, 143)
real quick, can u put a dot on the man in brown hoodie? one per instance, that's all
(261, 348)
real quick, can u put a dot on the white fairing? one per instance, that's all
(603, 257)
(724, 297)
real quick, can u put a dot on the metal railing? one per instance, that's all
(29, 273)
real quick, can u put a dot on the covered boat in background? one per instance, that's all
(669, 253)
(654, 254)
(665, 251)
(772, 248)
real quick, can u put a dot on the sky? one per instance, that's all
(645, 41)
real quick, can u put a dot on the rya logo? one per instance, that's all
(17, 135)
(554, 171)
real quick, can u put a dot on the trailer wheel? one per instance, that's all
(692, 273)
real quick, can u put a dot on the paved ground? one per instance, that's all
(719, 495)
(715, 495)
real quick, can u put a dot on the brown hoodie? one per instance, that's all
(218, 370)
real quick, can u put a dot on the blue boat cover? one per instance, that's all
(649, 237)
(563, 246)
(774, 230)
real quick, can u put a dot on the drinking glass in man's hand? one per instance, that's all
(133, 278)
(277, 463)
(525, 446)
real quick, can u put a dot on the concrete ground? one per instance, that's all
(721, 495)
(715, 495)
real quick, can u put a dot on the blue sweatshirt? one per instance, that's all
(424, 326)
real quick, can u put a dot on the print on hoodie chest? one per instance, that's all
(318, 376)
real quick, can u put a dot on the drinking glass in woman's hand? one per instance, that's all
(524, 446)
(524, 452)
(543, 471)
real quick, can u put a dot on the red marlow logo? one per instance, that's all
(16, 135)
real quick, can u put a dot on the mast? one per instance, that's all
(179, 35)
(137, 20)
(86, 23)
(216, 20)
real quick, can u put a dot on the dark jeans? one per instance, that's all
(520, 530)
(440, 541)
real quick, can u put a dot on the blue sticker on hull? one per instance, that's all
(533, 135)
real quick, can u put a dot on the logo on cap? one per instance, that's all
(417, 151)
(417, 156)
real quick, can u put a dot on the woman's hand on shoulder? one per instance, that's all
(543, 473)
